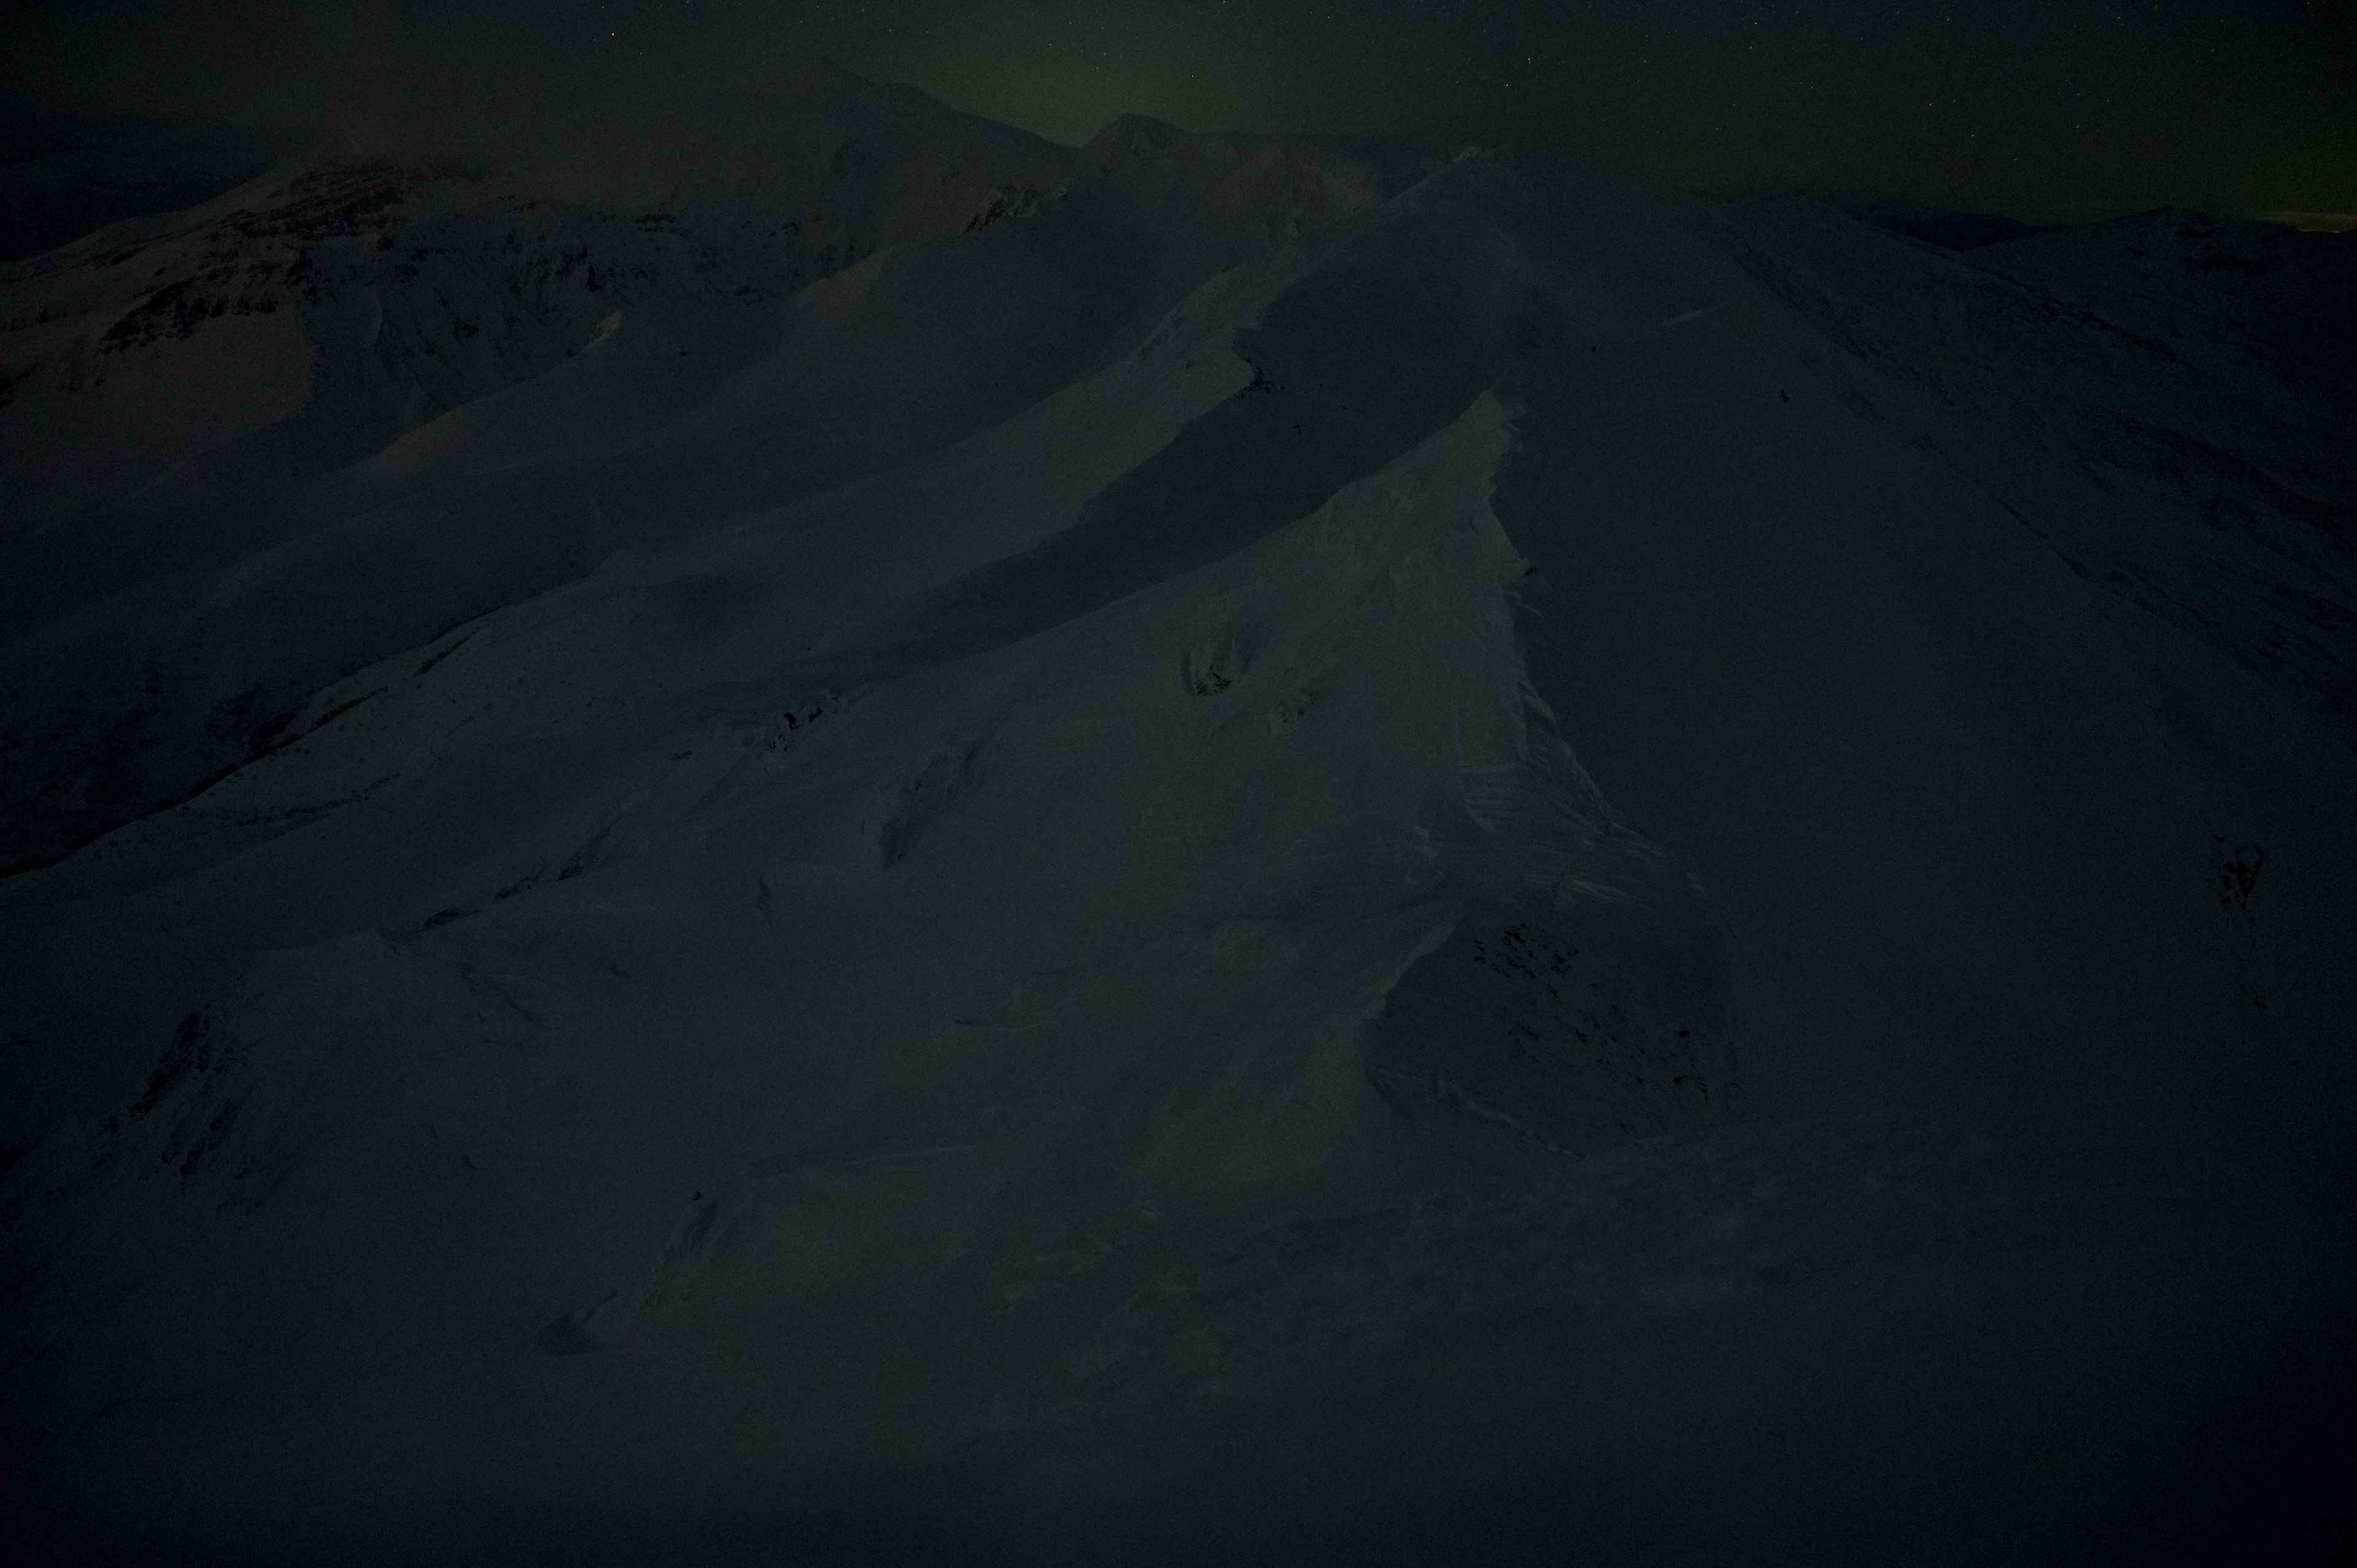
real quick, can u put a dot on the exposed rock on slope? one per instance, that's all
(292, 434)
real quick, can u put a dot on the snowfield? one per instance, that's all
(1208, 849)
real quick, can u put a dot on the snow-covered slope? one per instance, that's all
(1469, 856)
(2162, 420)
(2216, 288)
(305, 319)
(474, 394)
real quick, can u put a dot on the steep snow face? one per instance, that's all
(180, 394)
(2199, 470)
(305, 319)
(173, 395)
(1277, 782)
(300, 324)
(1499, 857)
(2208, 286)
(1213, 202)
(827, 168)
(527, 386)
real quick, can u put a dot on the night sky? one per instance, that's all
(2044, 108)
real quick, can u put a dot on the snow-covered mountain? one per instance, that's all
(298, 396)
(303, 321)
(1210, 848)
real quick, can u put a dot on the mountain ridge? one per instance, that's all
(1470, 854)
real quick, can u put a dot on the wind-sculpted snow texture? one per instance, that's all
(1253, 851)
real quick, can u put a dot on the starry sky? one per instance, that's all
(2045, 109)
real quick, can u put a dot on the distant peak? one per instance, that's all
(1136, 134)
